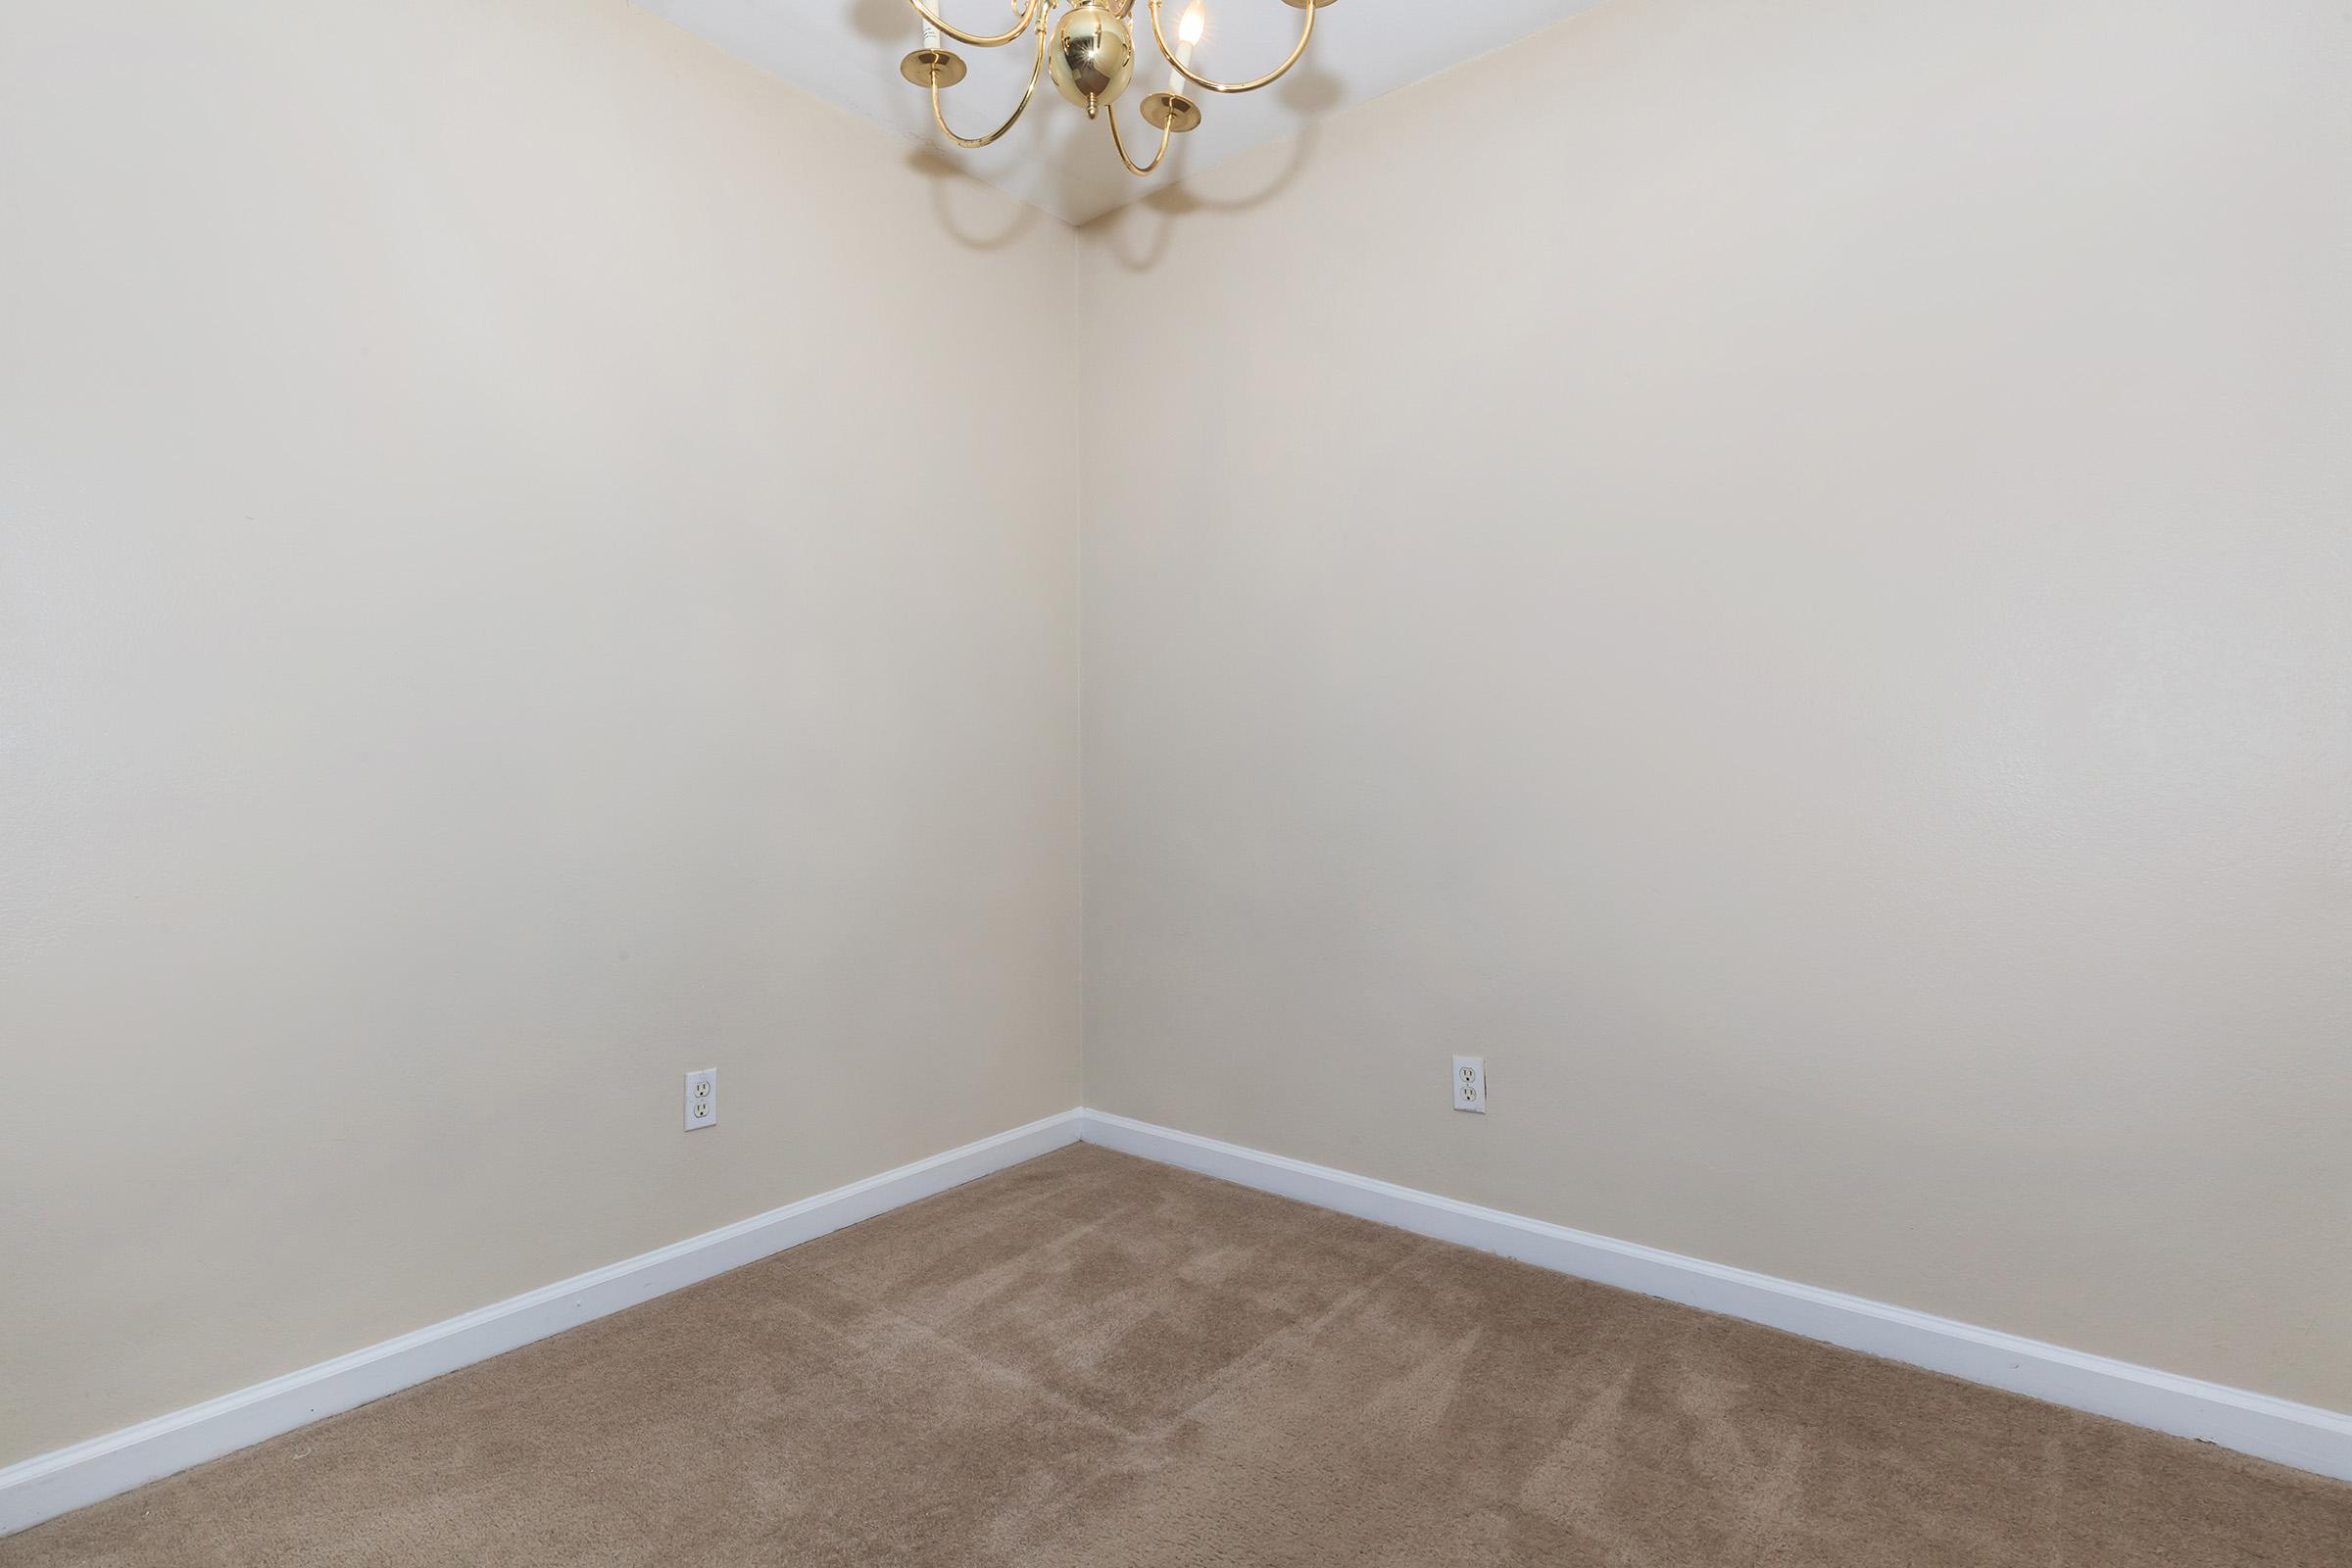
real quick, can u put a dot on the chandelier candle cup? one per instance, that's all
(934, 65)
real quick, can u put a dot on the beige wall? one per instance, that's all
(1782, 571)
(1776, 569)
(480, 634)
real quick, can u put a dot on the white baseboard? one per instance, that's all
(2280, 1430)
(2309, 1438)
(50, 1484)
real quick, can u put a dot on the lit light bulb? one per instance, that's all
(1188, 33)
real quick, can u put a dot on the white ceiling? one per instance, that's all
(847, 51)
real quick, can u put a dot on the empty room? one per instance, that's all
(1176, 783)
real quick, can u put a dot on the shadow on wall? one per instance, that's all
(888, 19)
(1137, 245)
(974, 212)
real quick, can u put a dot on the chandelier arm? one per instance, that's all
(977, 40)
(1019, 108)
(1196, 79)
(1110, 112)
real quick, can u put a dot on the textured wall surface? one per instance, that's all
(480, 636)
(1780, 572)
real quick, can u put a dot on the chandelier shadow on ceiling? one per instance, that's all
(1090, 56)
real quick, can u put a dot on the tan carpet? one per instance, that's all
(1094, 1361)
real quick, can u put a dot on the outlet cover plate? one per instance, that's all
(1470, 1083)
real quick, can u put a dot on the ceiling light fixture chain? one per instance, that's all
(1090, 54)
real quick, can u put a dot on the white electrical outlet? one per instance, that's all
(1470, 1083)
(702, 1097)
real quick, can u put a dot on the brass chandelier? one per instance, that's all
(1090, 56)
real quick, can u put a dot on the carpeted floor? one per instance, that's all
(1090, 1361)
